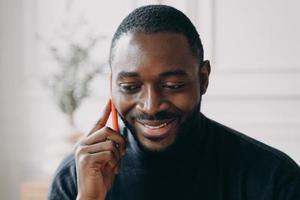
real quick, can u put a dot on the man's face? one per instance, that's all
(155, 86)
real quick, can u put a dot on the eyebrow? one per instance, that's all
(175, 72)
(125, 74)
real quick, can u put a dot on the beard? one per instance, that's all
(186, 123)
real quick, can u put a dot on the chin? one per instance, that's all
(156, 147)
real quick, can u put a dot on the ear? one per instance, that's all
(204, 76)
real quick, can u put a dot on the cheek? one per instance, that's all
(186, 102)
(123, 103)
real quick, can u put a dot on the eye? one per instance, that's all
(173, 86)
(129, 87)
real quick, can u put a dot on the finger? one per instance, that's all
(104, 134)
(105, 157)
(97, 160)
(103, 119)
(108, 145)
(120, 143)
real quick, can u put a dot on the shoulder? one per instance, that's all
(235, 140)
(67, 167)
(247, 151)
(64, 181)
(260, 167)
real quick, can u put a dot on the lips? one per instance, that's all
(153, 129)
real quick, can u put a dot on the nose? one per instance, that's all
(152, 101)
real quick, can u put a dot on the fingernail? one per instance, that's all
(123, 153)
(116, 170)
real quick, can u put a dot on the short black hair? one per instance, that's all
(159, 18)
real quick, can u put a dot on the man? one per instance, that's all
(167, 148)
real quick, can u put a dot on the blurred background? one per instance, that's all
(54, 76)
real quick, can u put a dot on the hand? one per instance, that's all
(97, 159)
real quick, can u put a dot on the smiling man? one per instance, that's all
(168, 149)
(157, 86)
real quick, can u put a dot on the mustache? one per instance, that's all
(164, 115)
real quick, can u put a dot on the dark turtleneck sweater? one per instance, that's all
(210, 161)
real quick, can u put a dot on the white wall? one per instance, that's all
(253, 47)
(255, 78)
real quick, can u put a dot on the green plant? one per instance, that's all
(76, 69)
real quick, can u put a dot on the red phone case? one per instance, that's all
(114, 114)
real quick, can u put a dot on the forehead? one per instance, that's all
(153, 53)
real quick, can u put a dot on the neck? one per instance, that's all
(179, 155)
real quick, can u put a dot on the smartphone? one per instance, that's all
(114, 118)
(114, 114)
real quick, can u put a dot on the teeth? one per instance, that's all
(155, 127)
